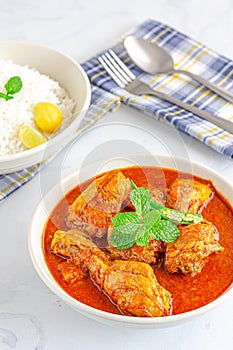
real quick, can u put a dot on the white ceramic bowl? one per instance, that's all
(69, 74)
(54, 196)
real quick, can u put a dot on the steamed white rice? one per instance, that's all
(13, 113)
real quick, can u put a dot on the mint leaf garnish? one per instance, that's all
(13, 85)
(126, 227)
(176, 216)
(165, 231)
(133, 185)
(191, 218)
(149, 218)
(123, 219)
(6, 97)
(140, 199)
(143, 239)
(152, 218)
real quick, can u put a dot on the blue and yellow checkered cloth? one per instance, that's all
(188, 54)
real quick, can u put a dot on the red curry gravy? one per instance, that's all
(188, 293)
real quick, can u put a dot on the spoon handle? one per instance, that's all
(218, 121)
(227, 95)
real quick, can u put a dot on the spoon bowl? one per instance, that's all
(147, 56)
(153, 59)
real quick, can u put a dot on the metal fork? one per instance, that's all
(121, 74)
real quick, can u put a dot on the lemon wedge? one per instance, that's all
(48, 117)
(30, 137)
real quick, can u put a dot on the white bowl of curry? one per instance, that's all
(147, 246)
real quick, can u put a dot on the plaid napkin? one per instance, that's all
(188, 54)
(102, 103)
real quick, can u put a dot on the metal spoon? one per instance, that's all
(154, 60)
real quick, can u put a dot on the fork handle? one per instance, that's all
(227, 95)
(222, 123)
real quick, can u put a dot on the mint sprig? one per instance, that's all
(6, 97)
(176, 216)
(149, 218)
(152, 218)
(126, 230)
(144, 238)
(140, 198)
(12, 86)
(165, 231)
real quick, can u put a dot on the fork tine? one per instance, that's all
(122, 65)
(112, 58)
(116, 68)
(112, 71)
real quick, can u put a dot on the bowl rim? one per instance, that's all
(90, 311)
(68, 130)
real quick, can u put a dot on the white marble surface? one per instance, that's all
(32, 317)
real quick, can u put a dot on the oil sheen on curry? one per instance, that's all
(142, 241)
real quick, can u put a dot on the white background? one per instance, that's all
(31, 316)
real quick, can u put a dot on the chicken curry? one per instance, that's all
(142, 241)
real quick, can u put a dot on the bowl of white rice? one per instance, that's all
(47, 76)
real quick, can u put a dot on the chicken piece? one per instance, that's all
(94, 209)
(158, 196)
(189, 252)
(147, 254)
(131, 285)
(188, 195)
(134, 288)
(72, 271)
